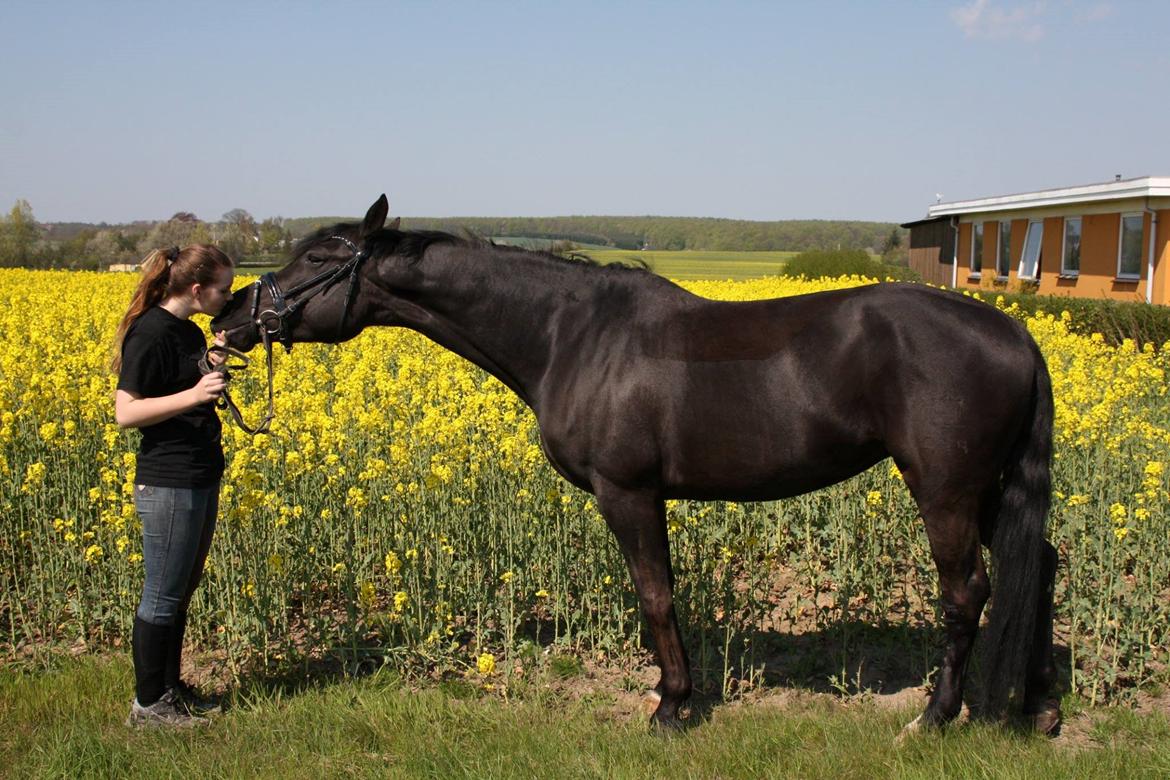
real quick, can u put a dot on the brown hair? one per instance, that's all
(167, 272)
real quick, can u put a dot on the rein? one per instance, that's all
(273, 323)
(224, 367)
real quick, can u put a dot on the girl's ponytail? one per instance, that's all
(167, 272)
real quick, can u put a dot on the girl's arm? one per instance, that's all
(133, 411)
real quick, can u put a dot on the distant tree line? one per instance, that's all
(25, 242)
(698, 233)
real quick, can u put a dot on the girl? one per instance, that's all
(162, 392)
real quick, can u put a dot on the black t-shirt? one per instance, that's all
(160, 356)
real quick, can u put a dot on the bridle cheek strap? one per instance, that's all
(284, 304)
(273, 322)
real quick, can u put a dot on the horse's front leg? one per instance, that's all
(638, 520)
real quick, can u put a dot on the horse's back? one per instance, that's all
(770, 398)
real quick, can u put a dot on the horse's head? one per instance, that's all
(315, 296)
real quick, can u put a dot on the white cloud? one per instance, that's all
(984, 19)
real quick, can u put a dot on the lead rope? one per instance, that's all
(225, 401)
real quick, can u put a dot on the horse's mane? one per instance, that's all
(413, 244)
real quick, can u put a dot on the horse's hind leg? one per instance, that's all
(952, 526)
(1039, 703)
(638, 520)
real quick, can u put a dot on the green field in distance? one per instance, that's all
(688, 265)
(683, 265)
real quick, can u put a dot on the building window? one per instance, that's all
(1070, 264)
(976, 248)
(1003, 259)
(1129, 250)
(1033, 242)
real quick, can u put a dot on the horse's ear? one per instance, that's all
(376, 216)
(394, 225)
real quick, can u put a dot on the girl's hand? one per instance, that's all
(215, 358)
(210, 387)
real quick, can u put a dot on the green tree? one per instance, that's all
(173, 232)
(107, 248)
(19, 235)
(236, 234)
(272, 235)
(893, 252)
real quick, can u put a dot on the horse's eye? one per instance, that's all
(315, 259)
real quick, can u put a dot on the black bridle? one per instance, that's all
(284, 305)
(273, 322)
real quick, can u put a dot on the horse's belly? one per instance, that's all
(762, 462)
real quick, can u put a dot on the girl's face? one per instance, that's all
(211, 299)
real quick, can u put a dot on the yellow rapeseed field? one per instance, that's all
(403, 509)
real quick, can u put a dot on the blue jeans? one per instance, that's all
(177, 524)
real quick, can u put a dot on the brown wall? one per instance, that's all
(964, 274)
(1100, 234)
(932, 251)
(1098, 273)
(1162, 259)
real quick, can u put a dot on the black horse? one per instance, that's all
(645, 392)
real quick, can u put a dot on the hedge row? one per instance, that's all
(846, 262)
(1114, 320)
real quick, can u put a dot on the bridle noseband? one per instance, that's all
(274, 322)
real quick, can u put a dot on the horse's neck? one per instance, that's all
(501, 313)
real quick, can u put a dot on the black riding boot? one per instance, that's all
(175, 651)
(150, 648)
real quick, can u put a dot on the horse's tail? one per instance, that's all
(1016, 552)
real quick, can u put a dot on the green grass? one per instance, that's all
(68, 722)
(688, 265)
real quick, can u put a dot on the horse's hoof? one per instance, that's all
(1047, 722)
(666, 725)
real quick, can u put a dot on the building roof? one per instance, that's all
(1144, 187)
(918, 222)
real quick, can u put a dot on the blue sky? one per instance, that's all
(830, 110)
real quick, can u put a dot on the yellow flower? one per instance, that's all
(367, 595)
(486, 664)
(93, 553)
(401, 600)
(392, 563)
(34, 475)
